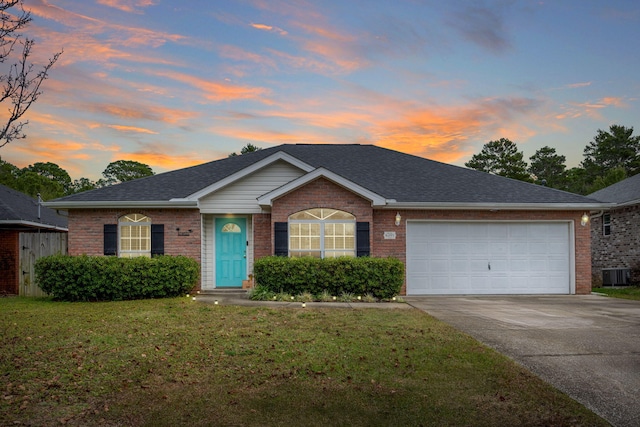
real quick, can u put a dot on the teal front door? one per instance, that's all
(231, 252)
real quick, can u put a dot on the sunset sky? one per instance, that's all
(177, 83)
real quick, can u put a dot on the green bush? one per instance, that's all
(100, 278)
(380, 277)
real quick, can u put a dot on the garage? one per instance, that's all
(475, 258)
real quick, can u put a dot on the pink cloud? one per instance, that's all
(128, 5)
(269, 28)
(215, 91)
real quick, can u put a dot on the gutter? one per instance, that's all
(500, 206)
(152, 204)
(33, 224)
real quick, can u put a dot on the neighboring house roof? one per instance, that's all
(398, 179)
(625, 192)
(17, 210)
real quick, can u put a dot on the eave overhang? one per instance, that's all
(151, 204)
(500, 206)
(31, 224)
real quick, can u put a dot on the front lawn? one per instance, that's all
(178, 362)
(627, 292)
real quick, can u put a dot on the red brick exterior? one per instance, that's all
(323, 193)
(86, 226)
(86, 229)
(9, 262)
(320, 193)
(262, 235)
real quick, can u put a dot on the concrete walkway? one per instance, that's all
(587, 346)
(240, 298)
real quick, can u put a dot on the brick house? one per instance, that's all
(615, 234)
(457, 230)
(20, 215)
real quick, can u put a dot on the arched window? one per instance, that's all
(322, 233)
(135, 235)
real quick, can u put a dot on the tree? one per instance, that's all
(125, 170)
(32, 183)
(548, 168)
(20, 86)
(610, 177)
(249, 148)
(53, 172)
(616, 148)
(82, 184)
(502, 158)
(8, 174)
(577, 181)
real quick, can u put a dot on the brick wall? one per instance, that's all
(323, 193)
(384, 220)
(621, 248)
(320, 193)
(86, 229)
(9, 262)
(262, 232)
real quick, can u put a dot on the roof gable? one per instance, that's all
(376, 199)
(242, 173)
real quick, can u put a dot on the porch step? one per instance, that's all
(228, 293)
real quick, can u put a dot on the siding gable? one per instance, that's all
(241, 196)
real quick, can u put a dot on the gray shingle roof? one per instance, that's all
(17, 209)
(625, 191)
(391, 174)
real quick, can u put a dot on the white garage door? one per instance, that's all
(446, 258)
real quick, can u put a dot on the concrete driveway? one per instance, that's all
(588, 346)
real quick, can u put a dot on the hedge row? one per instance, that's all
(99, 278)
(380, 277)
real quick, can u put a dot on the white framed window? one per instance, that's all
(134, 231)
(322, 233)
(606, 224)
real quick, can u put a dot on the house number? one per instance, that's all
(389, 235)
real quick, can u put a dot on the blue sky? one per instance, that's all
(173, 84)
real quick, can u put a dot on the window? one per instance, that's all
(322, 233)
(606, 224)
(135, 236)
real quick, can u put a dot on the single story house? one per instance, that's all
(615, 234)
(23, 220)
(458, 231)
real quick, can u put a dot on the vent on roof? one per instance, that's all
(616, 276)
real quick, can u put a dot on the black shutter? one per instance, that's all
(157, 239)
(281, 238)
(363, 248)
(111, 239)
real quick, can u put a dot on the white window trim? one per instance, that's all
(132, 253)
(322, 223)
(606, 224)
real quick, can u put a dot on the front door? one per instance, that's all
(231, 252)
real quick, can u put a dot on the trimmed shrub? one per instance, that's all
(380, 277)
(100, 278)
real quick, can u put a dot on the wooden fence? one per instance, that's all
(32, 247)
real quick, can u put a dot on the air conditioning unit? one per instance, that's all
(616, 276)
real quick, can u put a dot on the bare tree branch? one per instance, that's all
(20, 86)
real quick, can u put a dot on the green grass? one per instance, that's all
(627, 292)
(177, 362)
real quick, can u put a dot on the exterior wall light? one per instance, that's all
(585, 219)
(398, 218)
